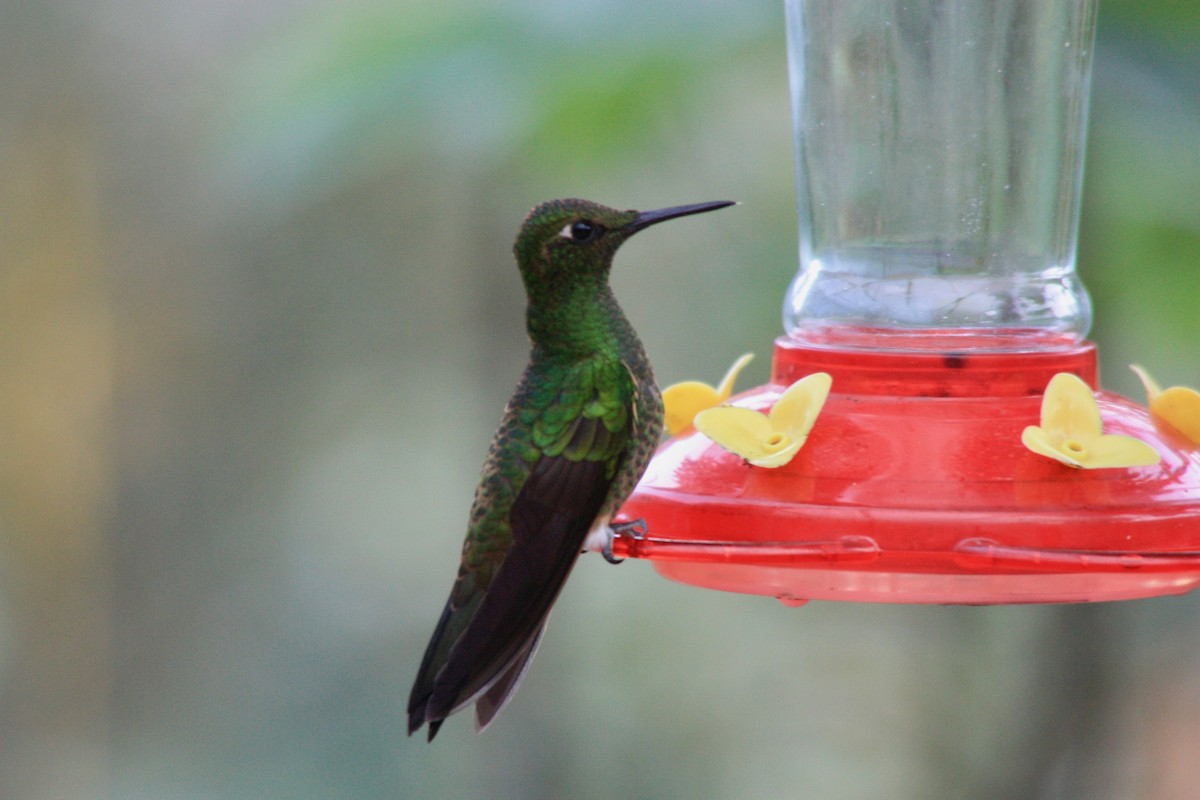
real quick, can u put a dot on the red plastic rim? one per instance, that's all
(914, 487)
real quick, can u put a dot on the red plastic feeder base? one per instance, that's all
(914, 487)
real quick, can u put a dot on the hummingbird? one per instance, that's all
(573, 442)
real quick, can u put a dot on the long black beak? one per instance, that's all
(647, 218)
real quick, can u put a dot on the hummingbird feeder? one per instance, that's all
(939, 151)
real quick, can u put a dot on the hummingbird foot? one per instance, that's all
(606, 549)
(635, 529)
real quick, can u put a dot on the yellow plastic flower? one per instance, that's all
(771, 439)
(683, 401)
(1177, 406)
(1071, 431)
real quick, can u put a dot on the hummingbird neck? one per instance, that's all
(586, 325)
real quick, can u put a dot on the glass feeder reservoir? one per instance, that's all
(939, 150)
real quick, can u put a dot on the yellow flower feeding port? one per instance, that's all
(1178, 407)
(1071, 431)
(683, 401)
(772, 439)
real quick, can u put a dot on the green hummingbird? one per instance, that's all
(573, 442)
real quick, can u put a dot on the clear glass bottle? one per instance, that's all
(939, 154)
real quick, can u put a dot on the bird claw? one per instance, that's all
(635, 530)
(607, 552)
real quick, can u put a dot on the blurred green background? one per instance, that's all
(258, 319)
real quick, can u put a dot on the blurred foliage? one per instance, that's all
(261, 311)
(531, 86)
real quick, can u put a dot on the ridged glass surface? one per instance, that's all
(939, 149)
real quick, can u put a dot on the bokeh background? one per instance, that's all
(258, 319)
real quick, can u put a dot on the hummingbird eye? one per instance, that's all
(581, 231)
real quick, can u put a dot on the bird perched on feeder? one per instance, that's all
(574, 440)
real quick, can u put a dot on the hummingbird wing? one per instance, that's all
(577, 434)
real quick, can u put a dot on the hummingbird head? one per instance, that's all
(569, 244)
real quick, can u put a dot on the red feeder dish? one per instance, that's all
(939, 162)
(914, 487)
